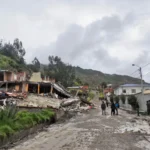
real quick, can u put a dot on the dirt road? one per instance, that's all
(92, 131)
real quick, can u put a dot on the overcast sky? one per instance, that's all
(106, 35)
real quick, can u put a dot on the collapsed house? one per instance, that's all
(36, 92)
(19, 82)
(37, 85)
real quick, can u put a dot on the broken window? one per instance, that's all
(123, 91)
(133, 90)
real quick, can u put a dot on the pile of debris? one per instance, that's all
(39, 101)
(72, 104)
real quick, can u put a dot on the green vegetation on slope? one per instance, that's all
(95, 78)
(6, 63)
(12, 121)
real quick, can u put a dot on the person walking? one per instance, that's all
(103, 107)
(117, 107)
(113, 108)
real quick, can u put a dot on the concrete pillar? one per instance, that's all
(6, 86)
(24, 87)
(4, 76)
(27, 87)
(51, 91)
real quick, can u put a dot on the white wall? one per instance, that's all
(142, 102)
(119, 90)
(126, 105)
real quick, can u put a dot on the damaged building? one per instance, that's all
(19, 83)
(11, 81)
(45, 86)
(37, 93)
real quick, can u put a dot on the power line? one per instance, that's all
(138, 69)
(134, 72)
(146, 73)
(145, 65)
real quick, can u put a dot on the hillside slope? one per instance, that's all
(94, 77)
(7, 63)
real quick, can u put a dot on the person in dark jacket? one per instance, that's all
(137, 108)
(103, 107)
(113, 108)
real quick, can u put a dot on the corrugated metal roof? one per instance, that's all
(135, 85)
(57, 87)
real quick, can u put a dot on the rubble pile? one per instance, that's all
(70, 104)
(73, 104)
(39, 101)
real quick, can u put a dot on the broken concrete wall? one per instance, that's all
(40, 101)
(8, 76)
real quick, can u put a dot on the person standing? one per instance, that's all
(137, 108)
(103, 107)
(117, 107)
(113, 108)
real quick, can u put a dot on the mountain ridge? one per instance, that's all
(95, 77)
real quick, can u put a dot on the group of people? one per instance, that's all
(114, 107)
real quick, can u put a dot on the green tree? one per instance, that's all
(78, 81)
(19, 48)
(132, 100)
(123, 99)
(111, 99)
(62, 72)
(14, 51)
(116, 98)
(103, 85)
(35, 66)
(86, 84)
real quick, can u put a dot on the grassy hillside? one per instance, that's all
(10, 64)
(94, 77)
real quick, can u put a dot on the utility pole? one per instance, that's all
(140, 71)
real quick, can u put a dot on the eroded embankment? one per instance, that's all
(21, 136)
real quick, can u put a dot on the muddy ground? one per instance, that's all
(92, 131)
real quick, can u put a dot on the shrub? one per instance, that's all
(7, 130)
(111, 99)
(8, 113)
(132, 100)
(123, 99)
(2, 135)
(12, 121)
(48, 113)
(91, 95)
(116, 99)
(27, 121)
(36, 117)
(17, 126)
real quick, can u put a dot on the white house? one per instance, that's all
(129, 89)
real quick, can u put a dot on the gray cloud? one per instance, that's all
(89, 42)
(107, 35)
